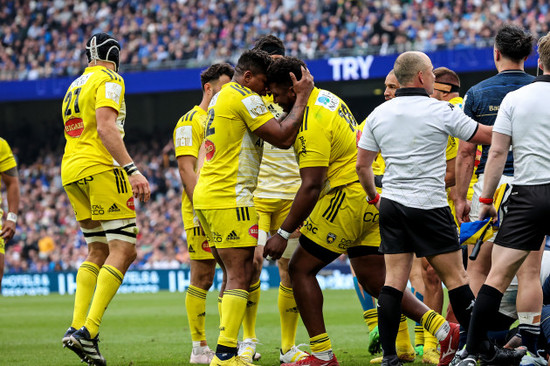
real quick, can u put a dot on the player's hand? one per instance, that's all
(8, 230)
(462, 210)
(305, 85)
(275, 247)
(140, 187)
(486, 211)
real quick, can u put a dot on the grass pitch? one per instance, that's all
(152, 329)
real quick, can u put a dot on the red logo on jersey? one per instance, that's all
(253, 231)
(130, 204)
(210, 149)
(74, 127)
(358, 137)
(206, 247)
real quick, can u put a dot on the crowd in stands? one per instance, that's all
(48, 237)
(44, 38)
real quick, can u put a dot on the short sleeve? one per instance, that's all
(110, 93)
(253, 111)
(188, 136)
(7, 160)
(457, 123)
(503, 122)
(312, 146)
(367, 140)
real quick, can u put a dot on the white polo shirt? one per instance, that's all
(411, 131)
(524, 116)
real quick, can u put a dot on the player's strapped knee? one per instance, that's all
(121, 229)
(95, 235)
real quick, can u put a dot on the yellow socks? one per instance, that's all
(288, 312)
(86, 279)
(249, 321)
(234, 307)
(418, 334)
(108, 282)
(403, 340)
(195, 304)
(435, 324)
(371, 318)
(321, 347)
(430, 342)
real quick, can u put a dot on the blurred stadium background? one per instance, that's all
(349, 47)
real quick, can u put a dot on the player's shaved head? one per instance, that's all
(215, 71)
(409, 64)
(255, 61)
(544, 51)
(279, 70)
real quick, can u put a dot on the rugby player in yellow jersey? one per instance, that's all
(8, 174)
(338, 218)
(238, 122)
(188, 140)
(278, 181)
(101, 181)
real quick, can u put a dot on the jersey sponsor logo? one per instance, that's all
(370, 217)
(210, 149)
(113, 91)
(255, 106)
(451, 105)
(309, 227)
(97, 210)
(327, 100)
(232, 236)
(276, 113)
(253, 231)
(74, 127)
(494, 108)
(206, 247)
(358, 134)
(216, 237)
(303, 149)
(184, 136)
(344, 243)
(331, 237)
(191, 249)
(130, 204)
(114, 208)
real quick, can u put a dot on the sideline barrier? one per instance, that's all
(155, 280)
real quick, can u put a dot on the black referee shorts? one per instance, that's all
(528, 218)
(425, 232)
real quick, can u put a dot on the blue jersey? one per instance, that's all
(483, 100)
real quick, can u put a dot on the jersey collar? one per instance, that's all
(409, 92)
(543, 78)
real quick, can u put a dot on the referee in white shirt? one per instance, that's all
(523, 121)
(411, 132)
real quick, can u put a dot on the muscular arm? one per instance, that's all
(365, 158)
(11, 180)
(495, 163)
(464, 168)
(188, 175)
(110, 135)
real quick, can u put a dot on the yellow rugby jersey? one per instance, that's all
(188, 138)
(279, 175)
(7, 162)
(233, 153)
(328, 138)
(85, 154)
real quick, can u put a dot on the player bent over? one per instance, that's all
(330, 200)
(189, 148)
(101, 181)
(238, 122)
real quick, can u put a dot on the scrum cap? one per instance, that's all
(103, 47)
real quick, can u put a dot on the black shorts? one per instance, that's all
(425, 232)
(527, 220)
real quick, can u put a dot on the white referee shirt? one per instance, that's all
(524, 116)
(411, 132)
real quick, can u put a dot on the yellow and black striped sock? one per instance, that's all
(434, 324)
(108, 282)
(195, 304)
(249, 321)
(233, 308)
(321, 347)
(418, 334)
(371, 318)
(86, 280)
(288, 312)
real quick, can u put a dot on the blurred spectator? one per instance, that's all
(43, 38)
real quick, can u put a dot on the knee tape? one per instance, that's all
(121, 229)
(95, 235)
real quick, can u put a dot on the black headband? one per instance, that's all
(273, 49)
(446, 87)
